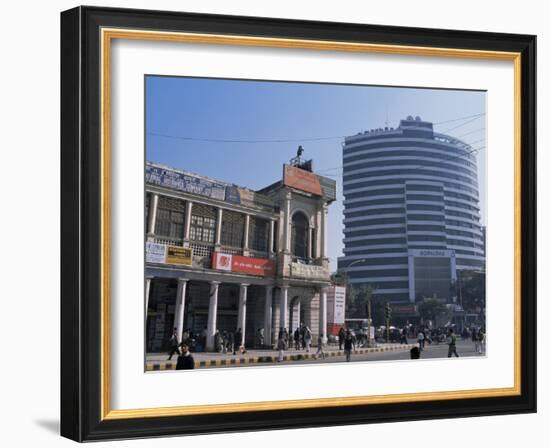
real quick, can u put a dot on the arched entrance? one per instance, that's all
(296, 315)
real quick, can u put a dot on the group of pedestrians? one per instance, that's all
(478, 339)
(301, 338)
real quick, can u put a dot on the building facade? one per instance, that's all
(220, 257)
(411, 211)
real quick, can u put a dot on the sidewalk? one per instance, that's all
(158, 361)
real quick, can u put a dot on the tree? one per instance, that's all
(471, 290)
(356, 303)
(430, 307)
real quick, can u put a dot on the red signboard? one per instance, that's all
(404, 309)
(301, 180)
(244, 265)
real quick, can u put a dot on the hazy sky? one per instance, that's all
(183, 112)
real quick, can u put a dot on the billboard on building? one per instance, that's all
(162, 253)
(301, 180)
(245, 265)
(155, 252)
(179, 255)
(177, 180)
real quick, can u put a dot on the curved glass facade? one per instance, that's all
(410, 199)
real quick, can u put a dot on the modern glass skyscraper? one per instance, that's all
(411, 211)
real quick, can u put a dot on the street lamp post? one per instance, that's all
(362, 260)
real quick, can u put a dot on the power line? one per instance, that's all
(287, 140)
(461, 118)
(462, 124)
(221, 140)
(472, 132)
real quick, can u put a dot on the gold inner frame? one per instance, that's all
(107, 35)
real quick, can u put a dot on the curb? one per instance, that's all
(170, 365)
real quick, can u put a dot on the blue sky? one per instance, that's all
(182, 112)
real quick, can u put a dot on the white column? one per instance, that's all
(180, 306)
(212, 315)
(295, 316)
(323, 314)
(147, 292)
(268, 314)
(286, 223)
(412, 292)
(318, 233)
(153, 207)
(219, 227)
(309, 242)
(246, 228)
(271, 236)
(187, 224)
(241, 318)
(324, 239)
(283, 321)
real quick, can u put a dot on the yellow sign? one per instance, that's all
(179, 255)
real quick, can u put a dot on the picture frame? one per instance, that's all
(86, 212)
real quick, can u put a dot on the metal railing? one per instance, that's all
(168, 241)
(231, 250)
(202, 253)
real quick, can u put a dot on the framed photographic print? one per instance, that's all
(273, 223)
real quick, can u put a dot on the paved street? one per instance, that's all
(464, 349)
(384, 352)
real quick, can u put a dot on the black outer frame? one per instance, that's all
(80, 223)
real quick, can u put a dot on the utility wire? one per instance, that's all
(289, 140)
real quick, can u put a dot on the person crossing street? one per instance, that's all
(451, 341)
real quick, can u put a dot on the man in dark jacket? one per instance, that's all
(185, 360)
(349, 345)
(341, 337)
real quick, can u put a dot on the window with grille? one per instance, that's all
(170, 218)
(203, 224)
(258, 234)
(232, 229)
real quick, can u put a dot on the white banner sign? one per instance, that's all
(336, 305)
(155, 252)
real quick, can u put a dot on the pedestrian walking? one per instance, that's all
(421, 340)
(475, 339)
(341, 337)
(319, 348)
(217, 341)
(451, 340)
(173, 345)
(185, 359)
(307, 338)
(349, 345)
(260, 337)
(297, 338)
(404, 336)
(281, 345)
(286, 338)
(225, 340)
(481, 338)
